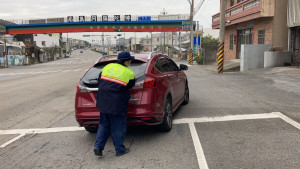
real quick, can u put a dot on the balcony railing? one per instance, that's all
(239, 10)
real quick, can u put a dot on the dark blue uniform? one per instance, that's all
(112, 101)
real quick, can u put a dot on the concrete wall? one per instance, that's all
(50, 41)
(280, 29)
(1, 50)
(210, 54)
(273, 59)
(252, 56)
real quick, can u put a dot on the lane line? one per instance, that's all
(23, 132)
(41, 72)
(12, 140)
(41, 130)
(198, 147)
(189, 121)
(288, 120)
(226, 118)
(76, 70)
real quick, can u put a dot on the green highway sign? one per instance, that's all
(186, 26)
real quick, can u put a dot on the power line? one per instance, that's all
(198, 6)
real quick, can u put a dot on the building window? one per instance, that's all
(43, 43)
(157, 39)
(50, 35)
(231, 41)
(231, 2)
(261, 37)
(27, 40)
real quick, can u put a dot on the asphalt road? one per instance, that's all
(234, 120)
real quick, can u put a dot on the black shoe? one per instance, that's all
(98, 152)
(127, 150)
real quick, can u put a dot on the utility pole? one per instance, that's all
(135, 42)
(124, 41)
(221, 37)
(172, 45)
(5, 53)
(68, 45)
(164, 48)
(191, 33)
(151, 41)
(180, 51)
(160, 42)
(103, 48)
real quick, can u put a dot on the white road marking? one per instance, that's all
(199, 150)
(23, 132)
(190, 121)
(226, 118)
(12, 140)
(42, 72)
(288, 120)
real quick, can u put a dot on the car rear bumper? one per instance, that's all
(136, 116)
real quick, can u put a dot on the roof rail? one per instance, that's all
(104, 57)
(152, 54)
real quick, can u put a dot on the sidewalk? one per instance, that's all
(229, 66)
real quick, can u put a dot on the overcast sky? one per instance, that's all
(31, 9)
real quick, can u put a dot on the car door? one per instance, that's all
(176, 80)
(165, 78)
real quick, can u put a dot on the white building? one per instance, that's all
(212, 32)
(134, 41)
(46, 40)
(159, 39)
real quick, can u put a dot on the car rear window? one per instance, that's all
(90, 79)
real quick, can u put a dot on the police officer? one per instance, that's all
(115, 80)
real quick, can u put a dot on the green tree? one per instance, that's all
(209, 41)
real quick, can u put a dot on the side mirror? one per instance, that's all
(183, 67)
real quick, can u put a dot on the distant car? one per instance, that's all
(115, 51)
(161, 87)
(81, 50)
(67, 55)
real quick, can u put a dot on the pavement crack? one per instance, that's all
(41, 147)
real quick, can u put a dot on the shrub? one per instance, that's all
(199, 60)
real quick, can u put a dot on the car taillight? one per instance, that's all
(149, 82)
(81, 89)
(139, 85)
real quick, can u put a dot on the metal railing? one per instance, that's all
(238, 8)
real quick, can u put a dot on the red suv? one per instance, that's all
(161, 87)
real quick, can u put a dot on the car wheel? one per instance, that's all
(167, 121)
(186, 95)
(91, 129)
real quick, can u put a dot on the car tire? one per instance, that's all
(166, 125)
(186, 94)
(91, 129)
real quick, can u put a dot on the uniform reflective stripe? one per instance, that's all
(114, 80)
(117, 73)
